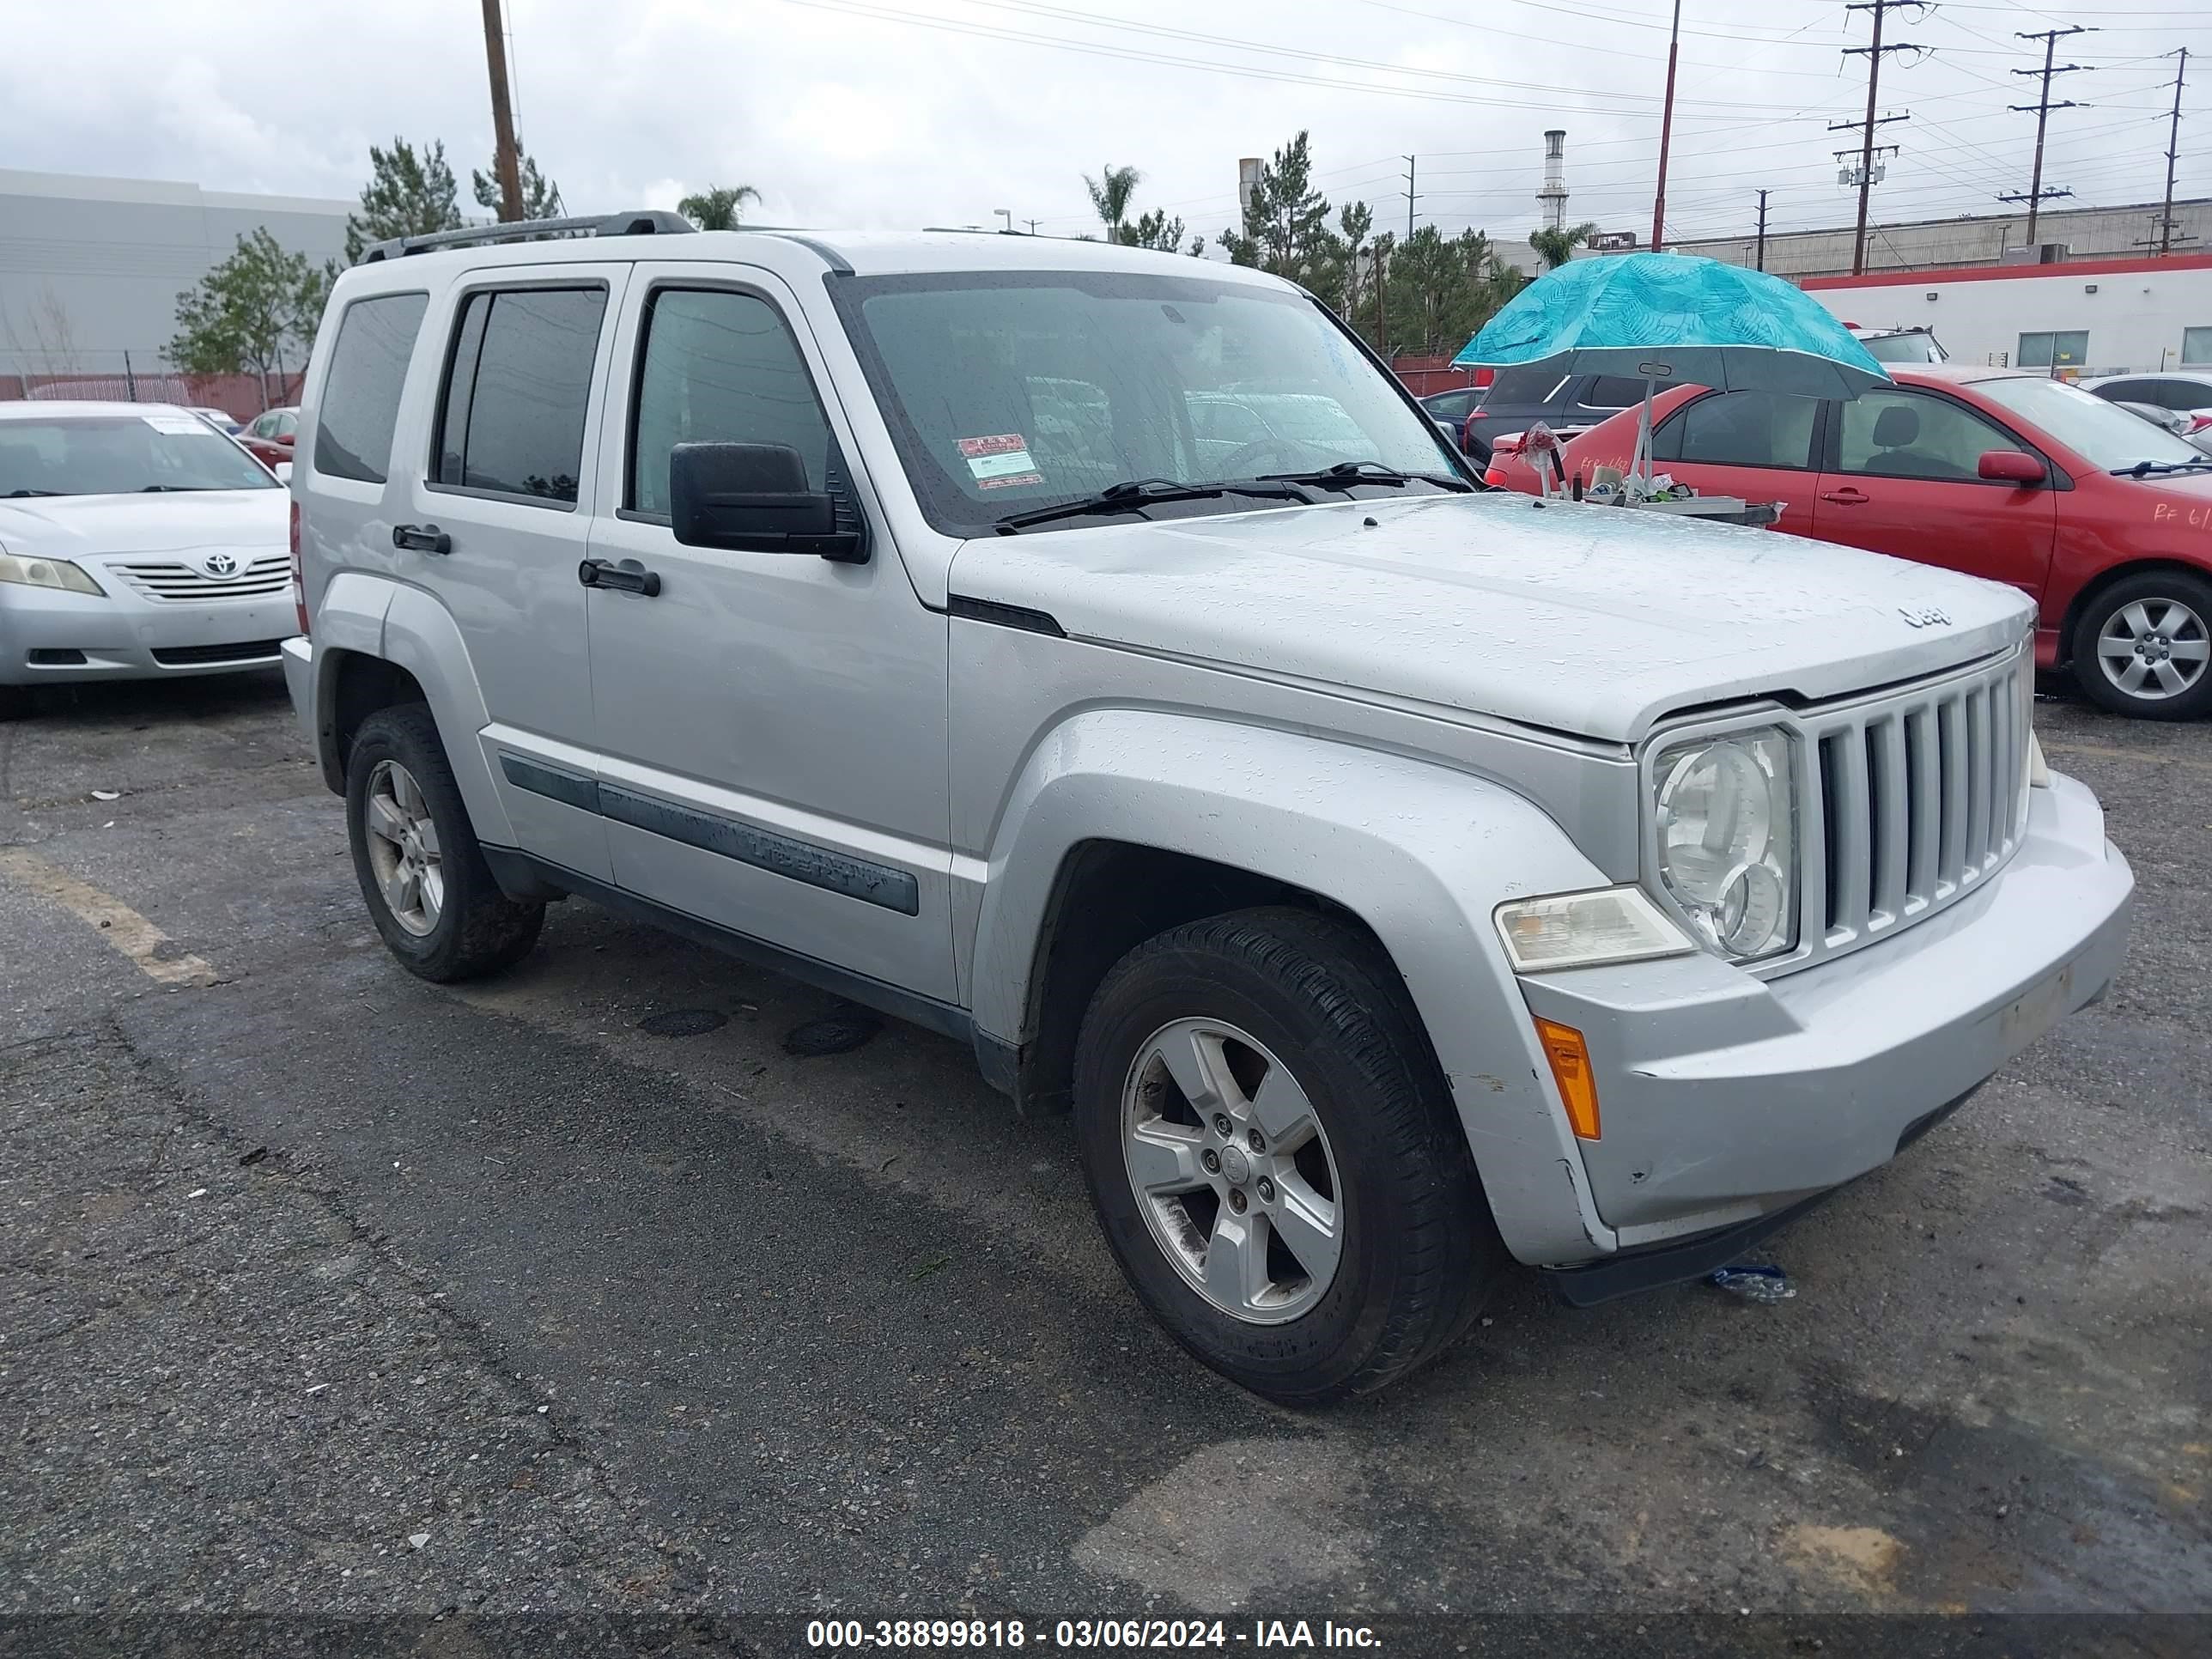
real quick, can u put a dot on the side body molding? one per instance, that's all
(1420, 852)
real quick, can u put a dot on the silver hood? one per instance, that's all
(1585, 619)
(79, 527)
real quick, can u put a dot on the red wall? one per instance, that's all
(238, 396)
(1424, 375)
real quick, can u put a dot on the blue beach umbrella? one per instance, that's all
(1669, 316)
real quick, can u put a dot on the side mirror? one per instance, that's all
(2011, 466)
(754, 498)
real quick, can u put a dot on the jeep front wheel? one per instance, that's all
(1275, 1157)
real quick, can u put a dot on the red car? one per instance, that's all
(269, 436)
(2103, 519)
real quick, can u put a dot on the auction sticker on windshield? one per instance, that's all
(1000, 461)
(177, 426)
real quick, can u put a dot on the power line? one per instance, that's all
(2041, 109)
(1872, 54)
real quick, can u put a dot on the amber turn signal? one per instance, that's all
(1571, 1070)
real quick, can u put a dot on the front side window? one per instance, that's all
(720, 368)
(2063, 349)
(153, 453)
(517, 388)
(1907, 434)
(1741, 429)
(1008, 391)
(361, 393)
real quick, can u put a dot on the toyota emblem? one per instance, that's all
(220, 565)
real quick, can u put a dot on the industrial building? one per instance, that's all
(90, 268)
(2105, 233)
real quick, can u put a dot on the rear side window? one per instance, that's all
(1741, 429)
(361, 394)
(1618, 391)
(517, 390)
(721, 367)
(1521, 386)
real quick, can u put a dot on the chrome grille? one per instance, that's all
(1919, 798)
(176, 579)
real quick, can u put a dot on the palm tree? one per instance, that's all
(719, 207)
(1556, 247)
(1110, 194)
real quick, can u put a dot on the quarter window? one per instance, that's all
(721, 367)
(518, 390)
(361, 393)
(1620, 391)
(1904, 434)
(1741, 429)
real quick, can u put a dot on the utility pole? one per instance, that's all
(2041, 109)
(1032, 225)
(503, 116)
(1759, 259)
(1666, 133)
(2173, 153)
(1410, 198)
(1872, 55)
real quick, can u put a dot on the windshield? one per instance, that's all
(1914, 348)
(122, 455)
(2102, 433)
(1005, 392)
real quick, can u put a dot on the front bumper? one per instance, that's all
(50, 637)
(1724, 1098)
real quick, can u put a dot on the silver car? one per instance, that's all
(1392, 879)
(137, 542)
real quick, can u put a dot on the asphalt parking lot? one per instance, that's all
(328, 1291)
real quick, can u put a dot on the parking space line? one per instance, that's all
(2148, 756)
(116, 921)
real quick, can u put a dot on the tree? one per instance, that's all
(1110, 195)
(1286, 228)
(1354, 222)
(1442, 288)
(1556, 247)
(245, 312)
(541, 197)
(1156, 230)
(408, 194)
(719, 207)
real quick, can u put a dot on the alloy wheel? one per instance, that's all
(2153, 648)
(402, 848)
(1232, 1170)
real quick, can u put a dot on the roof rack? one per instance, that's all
(645, 222)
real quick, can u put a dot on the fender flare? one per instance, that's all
(374, 616)
(1420, 852)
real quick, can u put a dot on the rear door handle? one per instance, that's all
(625, 576)
(422, 538)
(1846, 498)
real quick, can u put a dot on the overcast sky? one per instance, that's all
(904, 112)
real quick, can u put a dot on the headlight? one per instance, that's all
(46, 573)
(1728, 838)
(1588, 930)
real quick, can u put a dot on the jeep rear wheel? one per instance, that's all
(1275, 1157)
(422, 872)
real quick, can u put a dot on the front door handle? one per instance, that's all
(624, 576)
(1846, 498)
(422, 538)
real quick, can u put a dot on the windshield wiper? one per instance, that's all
(1345, 475)
(173, 489)
(1135, 494)
(13, 494)
(2143, 469)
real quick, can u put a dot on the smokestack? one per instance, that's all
(1553, 198)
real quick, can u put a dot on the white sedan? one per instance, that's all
(136, 542)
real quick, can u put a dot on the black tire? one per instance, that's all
(1420, 1251)
(478, 929)
(2153, 589)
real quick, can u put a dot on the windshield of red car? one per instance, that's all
(2103, 434)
